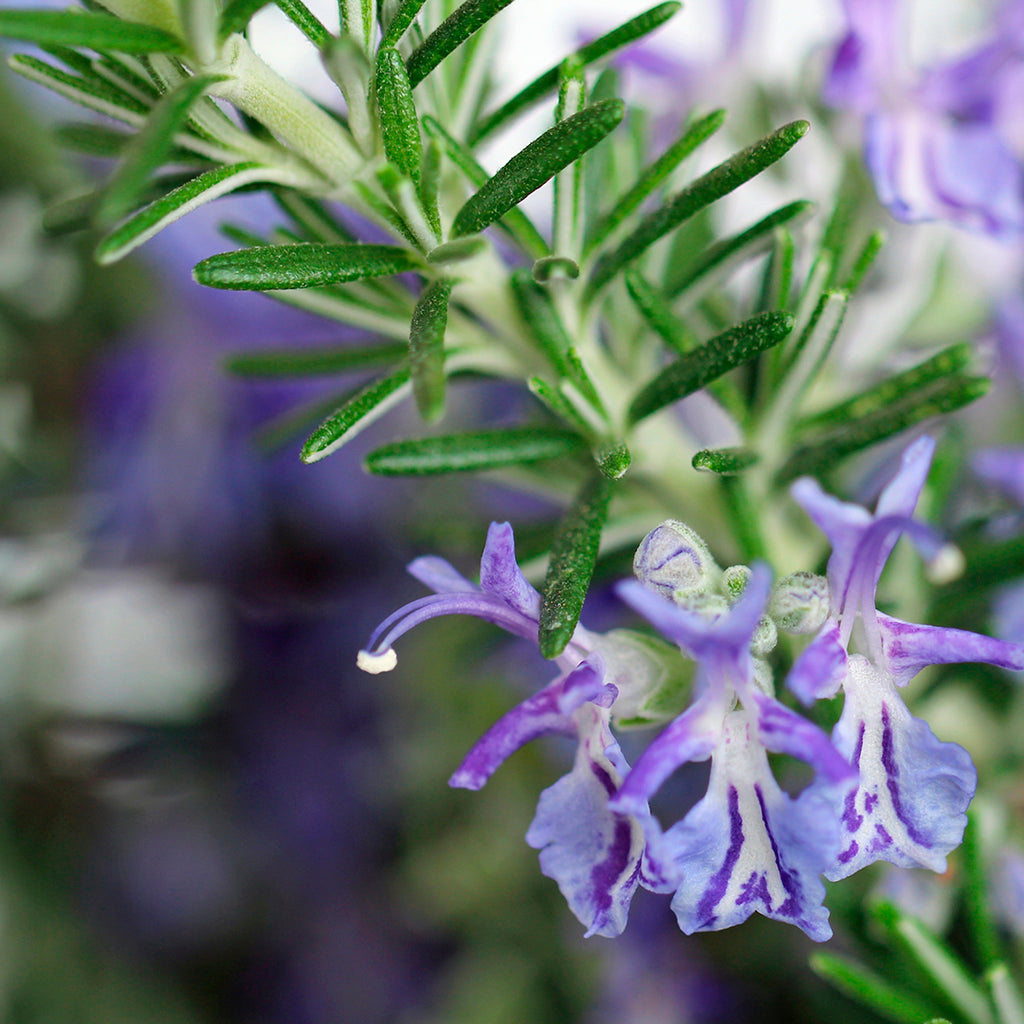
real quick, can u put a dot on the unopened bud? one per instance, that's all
(674, 560)
(799, 603)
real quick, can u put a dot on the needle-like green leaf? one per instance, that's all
(866, 987)
(314, 362)
(399, 125)
(946, 395)
(698, 368)
(708, 188)
(480, 450)
(426, 348)
(450, 35)
(653, 177)
(237, 14)
(306, 265)
(202, 189)
(305, 21)
(514, 222)
(538, 162)
(737, 248)
(545, 84)
(399, 24)
(571, 566)
(724, 461)
(100, 32)
(150, 147)
(360, 409)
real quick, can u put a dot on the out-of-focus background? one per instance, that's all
(207, 814)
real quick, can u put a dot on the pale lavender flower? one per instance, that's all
(592, 852)
(746, 846)
(942, 143)
(913, 790)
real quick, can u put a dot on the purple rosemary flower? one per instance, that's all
(942, 143)
(746, 845)
(913, 790)
(592, 852)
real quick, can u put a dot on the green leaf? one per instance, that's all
(698, 368)
(537, 163)
(99, 32)
(450, 35)
(426, 348)
(457, 250)
(313, 362)
(613, 459)
(816, 455)
(305, 21)
(943, 364)
(94, 94)
(470, 452)
(777, 284)
(676, 333)
(567, 195)
(554, 268)
(1006, 994)
(358, 411)
(557, 403)
(237, 14)
(202, 189)
(545, 84)
(724, 461)
(92, 139)
(573, 555)
(867, 988)
(399, 126)
(399, 24)
(737, 248)
(864, 260)
(317, 222)
(306, 265)
(150, 147)
(708, 188)
(514, 222)
(937, 959)
(654, 176)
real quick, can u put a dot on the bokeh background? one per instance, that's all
(207, 814)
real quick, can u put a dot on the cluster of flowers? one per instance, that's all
(944, 141)
(883, 788)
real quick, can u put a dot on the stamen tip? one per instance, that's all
(946, 565)
(376, 662)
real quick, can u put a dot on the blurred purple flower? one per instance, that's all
(913, 789)
(942, 143)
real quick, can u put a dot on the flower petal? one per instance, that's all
(910, 647)
(438, 574)
(500, 573)
(547, 711)
(820, 669)
(909, 804)
(592, 853)
(747, 846)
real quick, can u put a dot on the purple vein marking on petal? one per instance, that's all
(849, 853)
(604, 777)
(892, 772)
(850, 818)
(754, 889)
(882, 839)
(790, 883)
(606, 875)
(719, 882)
(870, 799)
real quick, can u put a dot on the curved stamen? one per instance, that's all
(476, 603)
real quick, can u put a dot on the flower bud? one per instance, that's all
(799, 603)
(674, 561)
